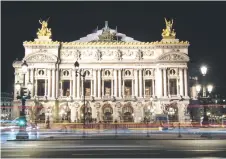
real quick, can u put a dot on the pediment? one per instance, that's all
(41, 58)
(172, 57)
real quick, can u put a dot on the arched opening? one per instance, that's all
(86, 114)
(172, 112)
(107, 113)
(127, 111)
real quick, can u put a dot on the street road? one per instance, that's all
(113, 148)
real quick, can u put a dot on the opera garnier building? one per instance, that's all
(105, 76)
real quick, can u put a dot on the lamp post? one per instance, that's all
(76, 64)
(22, 119)
(204, 97)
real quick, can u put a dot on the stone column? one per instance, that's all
(181, 82)
(49, 83)
(153, 87)
(158, 82)
(99, 83)
(27, 77)
(132, 87)
(32, 81)
(74, 84)
(53, 83)
(57, 82)
(45, 87)
(136, 82)
(165, 84)
(115, 83)
(71, 87)
(120, 83)
(95, 83)
(36, 87)
(140, 83)
(185, 82)
(78, 85)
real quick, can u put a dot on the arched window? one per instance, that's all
(41, 72)
(107, 73)
(148, 73)
(87, 73)
(66, 73)
(127, 73)
(172, 72)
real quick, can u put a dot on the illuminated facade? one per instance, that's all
(126, 80)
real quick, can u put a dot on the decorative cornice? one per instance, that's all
(41, 43)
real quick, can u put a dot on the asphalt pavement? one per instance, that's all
(113, 149)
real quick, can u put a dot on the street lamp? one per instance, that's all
(76, 64)
(210, 88)
(22, 134)
(203, 70)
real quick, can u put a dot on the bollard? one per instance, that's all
(179, 133)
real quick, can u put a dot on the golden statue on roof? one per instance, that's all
(106, 34)
(44, 31)
(169, 32)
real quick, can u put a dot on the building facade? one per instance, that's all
(126, 80)
(6, 105)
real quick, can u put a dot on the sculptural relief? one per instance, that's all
(41, 58)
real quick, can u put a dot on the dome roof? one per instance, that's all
(106, 33)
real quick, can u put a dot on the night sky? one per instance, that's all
(203, 24)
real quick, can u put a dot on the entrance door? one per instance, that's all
(127, 117)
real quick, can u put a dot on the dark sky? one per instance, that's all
(203, 24)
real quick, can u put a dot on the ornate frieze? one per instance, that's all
(40, 58)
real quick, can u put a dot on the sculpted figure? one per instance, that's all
(169, 31)
(44, 31)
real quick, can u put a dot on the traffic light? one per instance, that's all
(22, 121)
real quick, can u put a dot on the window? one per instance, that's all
(87, 85)
(41, 72)
(127, 73)
(107, 88)
(172, 72)
(87, 73)
(148, 87)
(66, 73)
(66, 88)
(173, 86)
(107, 73)
(128, 88)
(148, 73)
(41, 87)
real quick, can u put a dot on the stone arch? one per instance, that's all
(107, 111)
(172, 111)
(127, 112)
(88, 113)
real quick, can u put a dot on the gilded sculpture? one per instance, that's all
(44, 31)
(169, 31)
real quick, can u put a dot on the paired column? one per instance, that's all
(74, 83)
(185, 83)
(99, 83)
(140, 83)
(120, 83)
(57, 83)
(181, 82)
(36, 84)
(158, 81)
(32, 81)
(95, 83)
(78, 85)
(165, 84)
(115, 83)
(53, 83)
(49, 83)
(136, 83)
(153, 87)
